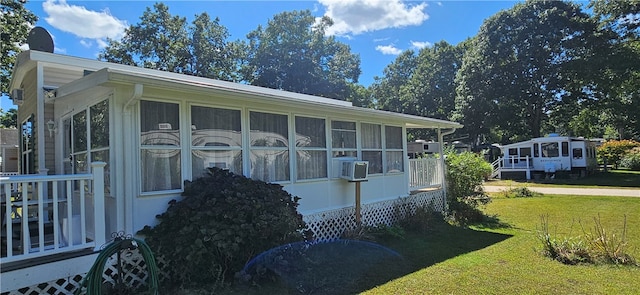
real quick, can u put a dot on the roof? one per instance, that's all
(544, 139)
(111, 74)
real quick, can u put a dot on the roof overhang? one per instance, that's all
(113, 75)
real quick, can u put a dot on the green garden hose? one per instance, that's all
(93, 280)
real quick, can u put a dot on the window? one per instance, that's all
(536, 148)
(372, 146)
(565, 149)
(311, 148)
(343, 139)
(549, 149)
(99, 130)
(216, 140)
(393, 149)
(269, 135)
(27, 144)
(577, 153)
(525, 152)
(86, 140)
(79, 156)
(160, 146)
(513, 155)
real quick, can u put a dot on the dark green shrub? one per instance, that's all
(221, 223)
(465, 175)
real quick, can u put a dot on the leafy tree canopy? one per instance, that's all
(166, 42)
(521, 65)
(292, 53)
(16, 21)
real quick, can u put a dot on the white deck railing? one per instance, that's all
(424, 173)
(52, 214)
(512, 163)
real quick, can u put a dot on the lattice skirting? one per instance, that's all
(328, 225)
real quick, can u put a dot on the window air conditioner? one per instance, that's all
(355, 170)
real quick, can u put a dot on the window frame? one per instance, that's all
(324, 149)
(350, 152)
(379, 150)
(234, 149)
(394, 150)
(150, 147)
(288, 148)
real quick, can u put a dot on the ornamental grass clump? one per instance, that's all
(594, 247)
(609, 247)
(566, 250)
(222, 222)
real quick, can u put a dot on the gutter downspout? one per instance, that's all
(441, 135)
(124, 212)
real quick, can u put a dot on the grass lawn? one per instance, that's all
(511, 263)
(499, 257)
(612, 178)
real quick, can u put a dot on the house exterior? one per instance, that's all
(104, 148)
(546, 155)
(8, 151)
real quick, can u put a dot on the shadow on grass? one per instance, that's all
(349, 267)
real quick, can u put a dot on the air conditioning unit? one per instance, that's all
(17, 97)
(355, 170)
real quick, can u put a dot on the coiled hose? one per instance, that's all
(93, 280)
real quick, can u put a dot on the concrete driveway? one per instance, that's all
(573, 191)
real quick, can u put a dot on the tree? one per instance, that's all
(165, 42)
(617, 85)
(16, 21)
(9, 118)
(432, 89)
(522, 65)
(292, 53)
(387, 90)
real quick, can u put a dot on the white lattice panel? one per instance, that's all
(330, 225)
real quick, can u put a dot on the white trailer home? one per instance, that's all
(104, 147)
(546, 155)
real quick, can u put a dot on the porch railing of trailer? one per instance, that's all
(51, 214)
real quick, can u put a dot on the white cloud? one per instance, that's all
(101, 43)
(82, 22)
(388, 49)
(420, 44)
(86, 43)
(359, 16)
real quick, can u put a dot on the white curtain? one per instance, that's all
(269, 146)
(160, 150)
(311, 148)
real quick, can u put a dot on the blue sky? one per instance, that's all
(377, 30)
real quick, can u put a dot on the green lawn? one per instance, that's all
(499, 257)
(510, 262)
(612, 178)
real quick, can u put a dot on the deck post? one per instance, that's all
(99, 204)
(528, 169)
